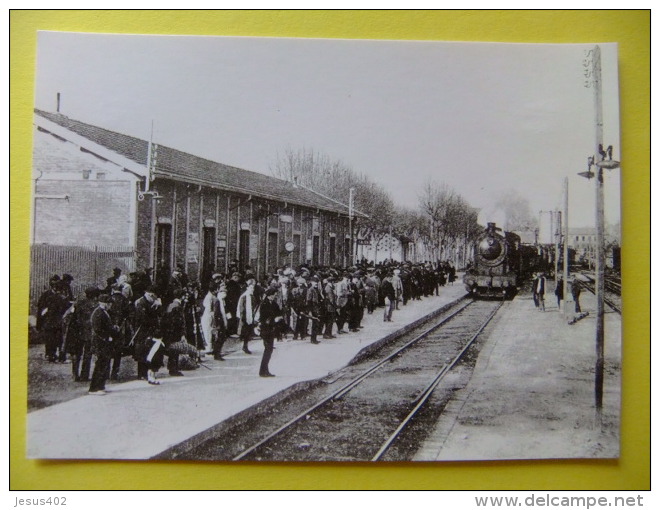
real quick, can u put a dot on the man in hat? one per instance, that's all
(397, 283)
(104, 335)
(270, 320)
(220, 321)
(66, 285)
(389, 295)
(575, 292)
(147, 336)
(116, 272)
(42, 307)
(314, 308)
(298, 308)
(119, 313)
(53, 305)
(539, 291)
(80, 334)
(330, 310)
(233, 295)
(246, 311)
(174, 330)
(342, 292)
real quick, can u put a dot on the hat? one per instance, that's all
(116, 270)
(315, 278)
(270, 291)
(54, 279)
(236, 275)
(216, 275)
(91, 292)
(67, 277)
(104, 298)
(301, 281)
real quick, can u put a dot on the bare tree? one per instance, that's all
(333, 178)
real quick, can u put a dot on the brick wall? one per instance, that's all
(96, 212)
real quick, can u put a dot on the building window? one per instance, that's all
(100, 176)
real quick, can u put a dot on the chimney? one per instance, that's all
(58, 102)
(295, 181)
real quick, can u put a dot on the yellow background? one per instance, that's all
(631, 29)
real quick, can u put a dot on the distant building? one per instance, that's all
(164, 207)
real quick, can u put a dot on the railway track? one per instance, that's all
(372, 405)
(612, 296)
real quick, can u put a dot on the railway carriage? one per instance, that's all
(497, 269)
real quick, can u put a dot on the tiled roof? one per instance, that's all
(179, 165)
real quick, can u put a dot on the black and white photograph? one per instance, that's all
(304, 250)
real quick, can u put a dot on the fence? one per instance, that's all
(89, 265)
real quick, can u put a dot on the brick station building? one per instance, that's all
(93, 186)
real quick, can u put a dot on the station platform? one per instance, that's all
(532, 392)
(135, 420)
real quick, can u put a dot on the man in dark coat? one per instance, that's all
(174, 330)
(314, 308)
(389, 295)
(575, 291)
(539, 291)
(53, 306)
(104, 335)
(148, 335)
(270, 318)
(120, 312)
(330, 311)
(234, 292)
(80, 334)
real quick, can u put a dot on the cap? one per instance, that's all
(271, 291)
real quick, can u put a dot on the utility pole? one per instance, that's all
(600, 249)
(351, 191)
(556, 233)
(565, 227)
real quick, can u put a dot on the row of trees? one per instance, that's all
(444, 224)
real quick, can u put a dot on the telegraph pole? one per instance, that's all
(351, 191)
(565, 228)
(600, 248)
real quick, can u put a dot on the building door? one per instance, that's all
(208, 254)
(243, 249)
(315, 250)
(163, 245)
(332, 251)
(272, 251)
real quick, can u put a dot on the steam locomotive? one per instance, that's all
(499, 263)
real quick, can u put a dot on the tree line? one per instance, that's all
(443, 222)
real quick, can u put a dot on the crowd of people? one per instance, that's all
(153, 317)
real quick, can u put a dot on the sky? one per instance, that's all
(489, 120)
